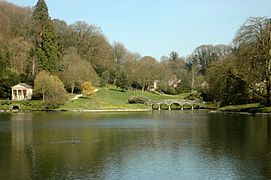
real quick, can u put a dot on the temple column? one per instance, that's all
(23, 94)
(12, 95)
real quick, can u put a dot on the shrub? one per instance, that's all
(138, 100)
(87, 88)
(193, 96)
(6, 103)
(49, 107)
(167, 89)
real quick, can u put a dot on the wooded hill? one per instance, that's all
(32, 45)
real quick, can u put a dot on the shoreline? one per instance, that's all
(134, 110)
(240, 113)
(106, 110)
(79, 110)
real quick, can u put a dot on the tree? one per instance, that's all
(176, 63)
(50, 87)
(224, 86)
(146, 72)
(14, 20)
(14, 37)
(4, 58)
(87, 88)
(119, 55)
(92, 46)
(253, 51)
(185, 84)
(64, 33)
(45, 39)
(173, 56)
(105, 78)
(164, 74)
(122, 81)
(19, 54)
(8, 78)
(119, 52)
(130, 65)
(173, 69)
(77, 70)
(204, 55)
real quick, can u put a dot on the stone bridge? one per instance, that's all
(169, 103)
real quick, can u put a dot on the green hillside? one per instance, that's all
(113, 98)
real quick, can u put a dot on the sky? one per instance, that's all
(157, 27)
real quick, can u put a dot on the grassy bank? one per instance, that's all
(251, 108)
(113, 98)
(107, 98)
(32, 105)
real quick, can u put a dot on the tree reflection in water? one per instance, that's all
(134, 145)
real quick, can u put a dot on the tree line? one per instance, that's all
(32, 46)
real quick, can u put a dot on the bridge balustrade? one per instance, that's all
(169, 103)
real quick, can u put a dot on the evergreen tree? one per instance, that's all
(45, 39)
(122, 81)
(8, 78)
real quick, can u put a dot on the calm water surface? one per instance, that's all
(149, 145)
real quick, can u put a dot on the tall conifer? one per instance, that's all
(46, 40)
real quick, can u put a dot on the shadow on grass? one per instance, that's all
(118, 90)
(85, 97)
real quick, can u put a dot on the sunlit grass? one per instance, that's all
(113, 98)
(241, 108)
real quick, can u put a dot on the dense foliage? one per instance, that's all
(138, 100)
(244, 74)
(50, 87)
(30, 42)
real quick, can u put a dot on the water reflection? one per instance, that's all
(164, 145)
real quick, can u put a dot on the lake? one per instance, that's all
(143, 145)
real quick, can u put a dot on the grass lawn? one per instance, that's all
(113, 98)
(23, 105)
(253, 107)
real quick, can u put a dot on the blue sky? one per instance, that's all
(157, 27)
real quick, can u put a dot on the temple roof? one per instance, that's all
(22, 85)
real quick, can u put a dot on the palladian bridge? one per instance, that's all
(169, 104)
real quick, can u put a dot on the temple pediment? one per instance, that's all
(21, 91)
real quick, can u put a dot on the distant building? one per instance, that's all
(154, 86)
(204, 85)
(21, 91)
(174, 82)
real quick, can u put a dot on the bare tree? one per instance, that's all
(253, 48)
(77, 70)
(146, 72)
(204, 55)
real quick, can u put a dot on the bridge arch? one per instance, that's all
(156, 106)
(15, 107)
(169, 103)
(188, 103)
(168, 106)
(177, 103)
